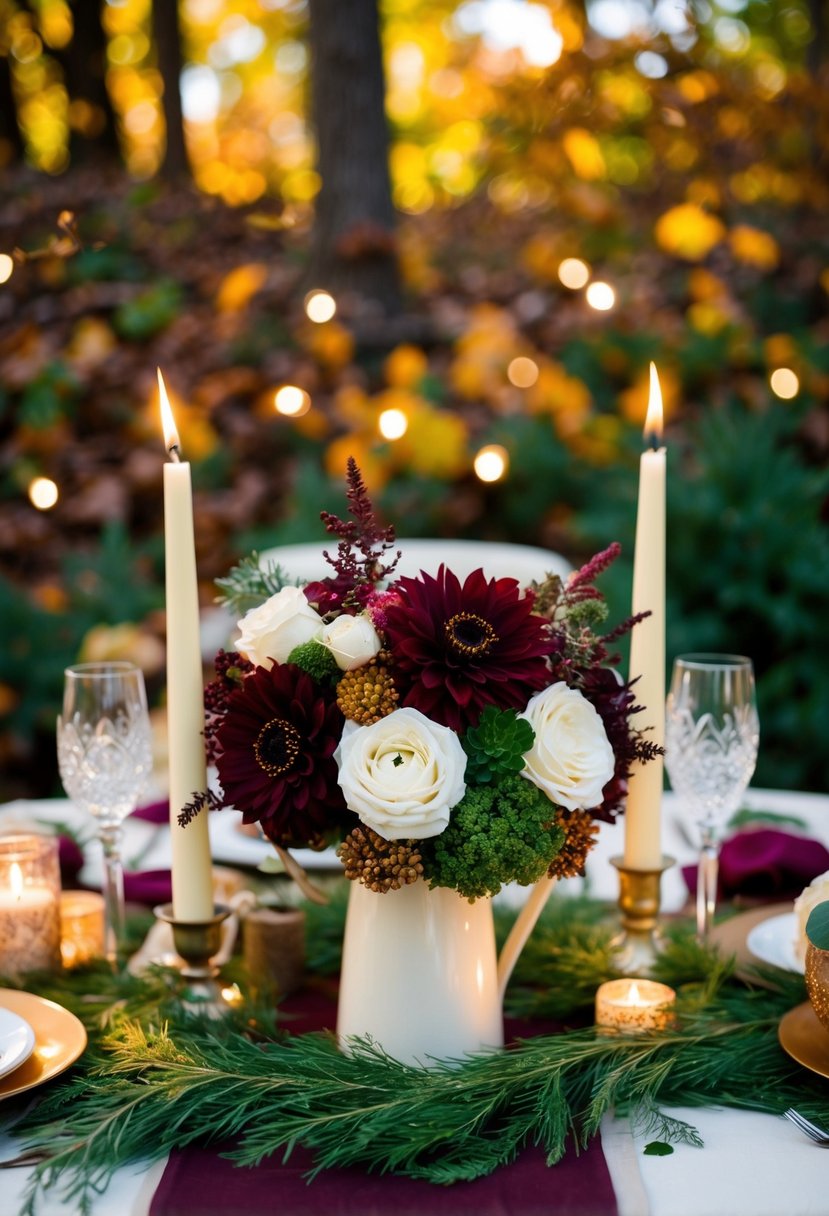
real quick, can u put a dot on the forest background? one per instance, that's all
(447, 238)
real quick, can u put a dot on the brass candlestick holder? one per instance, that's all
(196, 943)
(636, 948)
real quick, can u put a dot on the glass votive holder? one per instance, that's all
(81, 927)
(634, 1004)
(29, 904)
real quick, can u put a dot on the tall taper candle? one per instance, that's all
(643, 845)
(192, 872)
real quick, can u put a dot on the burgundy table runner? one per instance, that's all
(198, 1182)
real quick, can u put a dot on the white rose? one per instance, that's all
(269, 633)
(571, 758)
(352, 640)
(402, 775)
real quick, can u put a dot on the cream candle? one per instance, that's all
(643, 845)
(634, 1005)
(191, 864)
(29, 918)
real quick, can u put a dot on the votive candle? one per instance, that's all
(634, 1005)
(81, 927)
(29, 915)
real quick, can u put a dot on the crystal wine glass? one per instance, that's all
(711, 737)
(105, 758)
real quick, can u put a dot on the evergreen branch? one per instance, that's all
(249, 584)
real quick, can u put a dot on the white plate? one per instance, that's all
(772, 941)
(234, 847)
(17, 1041)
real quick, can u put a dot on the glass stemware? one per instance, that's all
(105, 758)
(711, 737)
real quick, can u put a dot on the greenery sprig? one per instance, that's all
(249, 583)
(153, 1080)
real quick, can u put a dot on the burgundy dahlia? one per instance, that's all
(457, 649)
(276, 756)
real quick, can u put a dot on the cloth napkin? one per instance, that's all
(765, 864)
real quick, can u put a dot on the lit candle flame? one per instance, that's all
(633, 997)
(16, 880)
(653, 421)
(168, 422)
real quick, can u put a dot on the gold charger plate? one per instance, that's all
(59, 1039)
(805, 1038)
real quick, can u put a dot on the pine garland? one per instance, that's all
(147, 1085)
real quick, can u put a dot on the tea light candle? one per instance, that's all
(634, 1004)
(81, 927)
(29, 918)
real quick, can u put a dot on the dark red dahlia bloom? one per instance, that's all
(457, 649)
(276, 756)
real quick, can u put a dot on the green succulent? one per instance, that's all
(496, 746)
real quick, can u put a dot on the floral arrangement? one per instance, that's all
(465, 734)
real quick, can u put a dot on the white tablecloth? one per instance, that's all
(751, 1165)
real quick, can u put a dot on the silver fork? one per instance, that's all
(815, 1133)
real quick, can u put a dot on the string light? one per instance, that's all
(784, 383)
(491, 462)
(522, 372)
(320, 306)
(573, 273)
(292, 401)
(392, 424)
(601, 296)
(43, 493)
(6, 267)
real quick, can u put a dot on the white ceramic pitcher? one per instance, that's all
(420, 975)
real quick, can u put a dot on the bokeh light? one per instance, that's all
(393, 424)
(522, 372)
(292, 401)
(601, 296)
(573, 273)
(43, 493)
(784, 383)
(320, 306)
(6, 267)
(491, 462)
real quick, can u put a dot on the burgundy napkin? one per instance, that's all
(153, 812)
(765, 863)
(197, 1181)
(149, 887)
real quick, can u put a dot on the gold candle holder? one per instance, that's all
(636, 948)
(197, 943)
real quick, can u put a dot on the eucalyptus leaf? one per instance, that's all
(657, 1148)
(817, 926)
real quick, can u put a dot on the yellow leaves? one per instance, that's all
(566, 398)
(240, 285)
(624, 91)
(584, 154)
(688, 232)
(406, 366)
(330, 343)
(91, 342)
(541, 255)
(698, 86)
(435, 444)
(754, 247)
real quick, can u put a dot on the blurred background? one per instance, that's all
(446, 238)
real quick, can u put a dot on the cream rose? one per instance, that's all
(352, 640)
(269, 633)
(571, 758)
(402, 775)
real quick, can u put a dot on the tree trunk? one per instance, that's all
(12, 144)
(93, 133)
(167, 39)
(353, 241)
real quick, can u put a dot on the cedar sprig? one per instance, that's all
(362, 544)
(249, 583)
